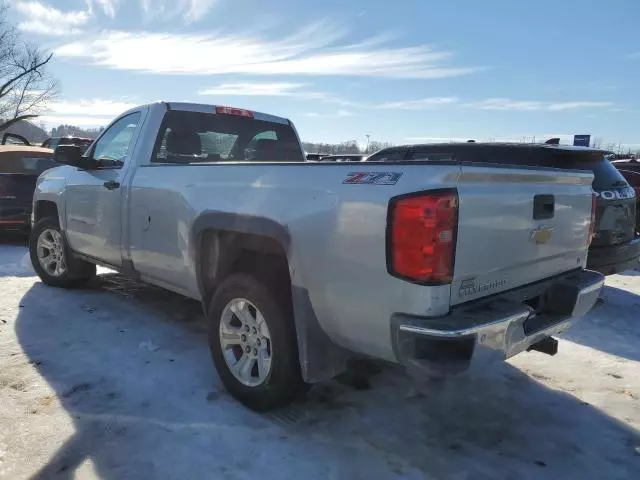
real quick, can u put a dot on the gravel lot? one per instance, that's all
(114, 381)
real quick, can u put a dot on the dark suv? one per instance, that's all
(631, 172)
(53, 142)
(20, 167)
(615, 246)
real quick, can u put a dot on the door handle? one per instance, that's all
(111, 185)
(543, 207)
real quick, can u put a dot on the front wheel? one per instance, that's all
(253, 344)
(51, 258)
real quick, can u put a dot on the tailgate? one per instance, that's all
(517, 226)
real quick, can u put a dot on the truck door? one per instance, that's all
(93, 198)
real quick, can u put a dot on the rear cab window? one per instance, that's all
(196, 137)
(26, 163)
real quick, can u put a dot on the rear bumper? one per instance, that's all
(15, 218)
(495, 328)
(614, 259)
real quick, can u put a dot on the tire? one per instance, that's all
(283, 382)
(73, 271)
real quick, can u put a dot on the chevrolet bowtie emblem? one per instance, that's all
(541, 235)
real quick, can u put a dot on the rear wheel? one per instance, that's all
(253, 344)
(51, 258)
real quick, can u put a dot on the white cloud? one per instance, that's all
(109, 7)
(506, 104)
(190, 10)
(338, 114)
(295, 90)
(283, 89)
(47, 20)
(305, 52)
(554, 107)
(419, 104)
(96, 107)
(92, 112)
(77, 121)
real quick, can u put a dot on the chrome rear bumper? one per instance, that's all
(494, 328)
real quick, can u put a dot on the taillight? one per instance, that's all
(421, 236)
(234, 111)
(592, 226)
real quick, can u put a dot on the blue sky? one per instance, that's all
(403, 71)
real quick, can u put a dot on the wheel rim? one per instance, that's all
(246, 342)
(50, 252)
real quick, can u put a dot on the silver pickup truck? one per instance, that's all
(302, 265)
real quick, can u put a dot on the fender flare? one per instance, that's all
(320, 358)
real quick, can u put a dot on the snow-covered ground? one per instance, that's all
(115, 382)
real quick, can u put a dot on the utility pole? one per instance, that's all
(366, 150)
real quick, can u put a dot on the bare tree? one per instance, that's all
(596, 142)
(374, 146)
(25, 85)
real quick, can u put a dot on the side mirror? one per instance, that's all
(72, 155)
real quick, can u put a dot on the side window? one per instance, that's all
(388, 156)
(251, 150)
(114, 143)
(37, 165)
(18, 163)
(430, 156)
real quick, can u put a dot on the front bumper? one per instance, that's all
(614, 259)
(494, 328)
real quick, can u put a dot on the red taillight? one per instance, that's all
(422, 235)
(592, 226)
(239, 112)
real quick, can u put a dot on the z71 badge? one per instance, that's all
(372, 178)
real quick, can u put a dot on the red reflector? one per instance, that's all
(422, 235)
(239, 112)
(592, 225)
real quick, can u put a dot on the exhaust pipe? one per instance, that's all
(547, 345)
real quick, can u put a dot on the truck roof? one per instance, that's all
(211, 108)
(480, 145)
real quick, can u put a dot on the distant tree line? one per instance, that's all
(350, 146)
(65, 130)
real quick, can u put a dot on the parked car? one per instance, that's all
(315, 157)
(629, 164)
(9, 138)
(347, 157)
(615, 246)
(53, 142)
(20, 166)
(633, 177)
(301, 265)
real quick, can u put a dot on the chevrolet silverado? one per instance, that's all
(302, 265)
